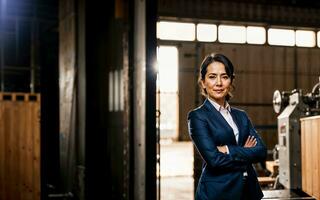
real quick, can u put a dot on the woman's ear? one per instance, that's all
(203, 85)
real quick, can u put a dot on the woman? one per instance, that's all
(224, 137)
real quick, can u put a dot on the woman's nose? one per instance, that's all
(218, 81)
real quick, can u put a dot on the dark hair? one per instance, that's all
(216, 58)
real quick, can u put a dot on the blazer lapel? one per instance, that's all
(237, 120)
(214, 114)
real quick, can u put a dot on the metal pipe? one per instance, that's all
(139, 98)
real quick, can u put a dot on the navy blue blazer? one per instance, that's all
(222, 174)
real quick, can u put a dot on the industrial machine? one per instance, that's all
(292, 106)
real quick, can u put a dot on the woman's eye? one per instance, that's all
(212, 77)
(225, 77)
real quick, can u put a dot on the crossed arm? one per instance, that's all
(215, 156)
(250, 142)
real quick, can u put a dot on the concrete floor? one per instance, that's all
(177, 188)
(176, 169)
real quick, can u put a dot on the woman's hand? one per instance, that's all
(251, 142)
(222, 149)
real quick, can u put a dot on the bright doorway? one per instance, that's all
(175, 166)
(167, 85)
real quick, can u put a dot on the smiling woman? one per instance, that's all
(216, 82)
(216, 78)
(224, 137)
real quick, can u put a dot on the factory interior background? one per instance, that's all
(94, 96)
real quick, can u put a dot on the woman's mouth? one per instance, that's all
(218, 91)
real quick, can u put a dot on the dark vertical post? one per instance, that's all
(151, 76)
(81, 97)
(197, 163)
(98, 138)
(106, 101)
(131, 9)
(49, 80)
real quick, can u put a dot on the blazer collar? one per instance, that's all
(209, 105)
(215, 113)
(218, 107)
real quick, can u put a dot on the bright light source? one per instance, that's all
(232, 34)
(176, 31)
(305, 38)
(256, 35)
(206, 32)
(281, 37)
(168, 68)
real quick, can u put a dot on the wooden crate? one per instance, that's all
(310, 151)
(19, 146)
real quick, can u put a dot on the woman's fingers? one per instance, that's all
(249, 139)
(222, 149)
(250, 142)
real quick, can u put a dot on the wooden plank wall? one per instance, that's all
(310, 162)
(19, 146)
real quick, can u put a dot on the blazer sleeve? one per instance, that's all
(199, 133)
(252, 154)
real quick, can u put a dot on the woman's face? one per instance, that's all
(217, 82)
